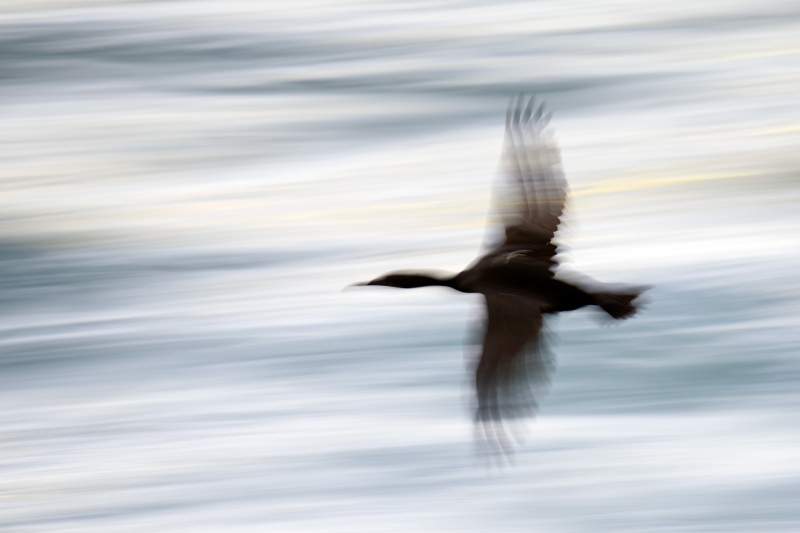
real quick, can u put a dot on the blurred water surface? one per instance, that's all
(187, 186)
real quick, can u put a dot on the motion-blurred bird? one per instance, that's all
(516, 277)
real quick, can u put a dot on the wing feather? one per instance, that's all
(532, 197)
(513, 369)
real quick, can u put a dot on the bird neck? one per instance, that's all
(413, 281)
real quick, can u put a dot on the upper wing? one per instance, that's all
(531, 198)
(513, 369)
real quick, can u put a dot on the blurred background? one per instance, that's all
(186, 187)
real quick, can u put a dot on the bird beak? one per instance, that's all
(362, 284)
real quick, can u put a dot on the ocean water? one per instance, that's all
(187, 187)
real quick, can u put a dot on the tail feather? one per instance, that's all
(618, 305)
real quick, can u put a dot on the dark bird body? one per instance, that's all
(517, 278)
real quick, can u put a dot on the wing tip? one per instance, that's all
(520, 114)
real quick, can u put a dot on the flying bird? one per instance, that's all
(516, 277)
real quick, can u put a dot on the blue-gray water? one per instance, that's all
(186, 187)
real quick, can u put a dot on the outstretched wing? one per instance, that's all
(513, 369)
(531, 197)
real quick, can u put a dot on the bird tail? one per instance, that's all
(619, 304)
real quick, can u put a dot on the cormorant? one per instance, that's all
(516, 277)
